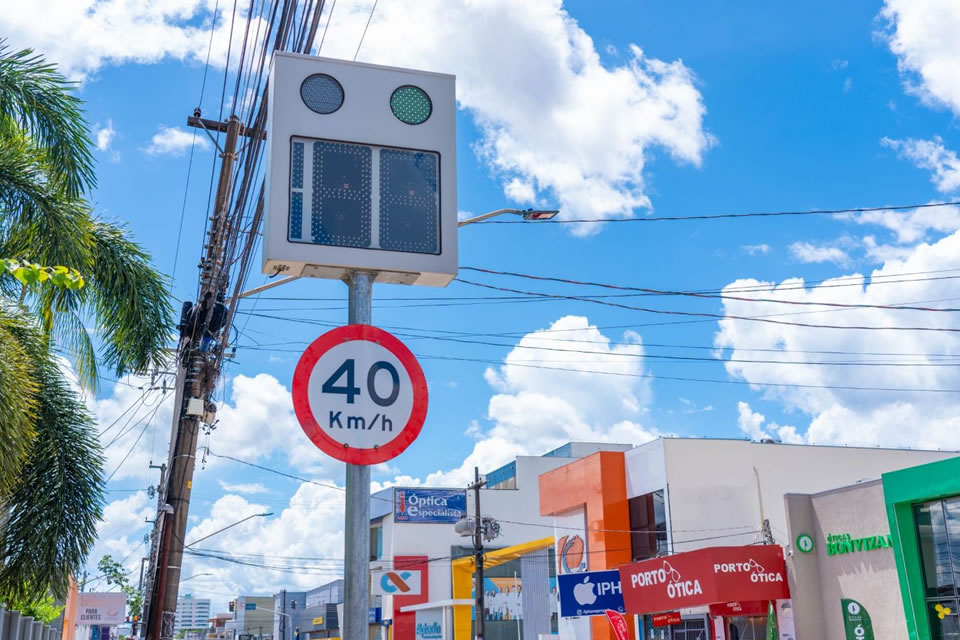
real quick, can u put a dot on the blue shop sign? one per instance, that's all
(429, 505)
(374, 615)
(590, 593)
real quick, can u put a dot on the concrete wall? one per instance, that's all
(713, 486)
(819, 580)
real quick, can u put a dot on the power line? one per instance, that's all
(720, 216)
(721, 296)
(364, 34)
(718, 316)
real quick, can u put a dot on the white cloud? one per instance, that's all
(838, 64)
(248, 488)
(911, 226)
(749, 422)
(174, 141)
(847, 85)
(82, 36)
(836, 415)
(579, 396)
(933, 156)
(104, 135)
(756, 249)
(923, 36)
(810, 253)
(551, 115)
(520, 191)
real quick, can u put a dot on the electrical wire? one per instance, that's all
(364, 34)
(720, 216)
(721, 296)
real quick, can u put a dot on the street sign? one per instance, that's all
(360, 395)
(104, 609)
(590, 594)
(361, 171)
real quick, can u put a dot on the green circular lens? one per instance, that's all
(411, 104)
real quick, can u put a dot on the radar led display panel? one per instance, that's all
(362, 172)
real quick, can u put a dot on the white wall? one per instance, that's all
(713, 486)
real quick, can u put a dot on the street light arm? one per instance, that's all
(487, 216)
(255, 515)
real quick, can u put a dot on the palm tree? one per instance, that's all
(51, 480)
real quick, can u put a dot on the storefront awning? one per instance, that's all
(705, 577)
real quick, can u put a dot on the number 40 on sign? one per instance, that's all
(359, 394)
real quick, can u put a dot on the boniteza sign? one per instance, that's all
(839, 543)
(359, 394)
(429, 505)
(590, 594)
(696, 578)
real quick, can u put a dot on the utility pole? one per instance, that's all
(478, 549)
(356, 567)
(198, 370)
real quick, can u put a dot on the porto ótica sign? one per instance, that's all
(359, 394)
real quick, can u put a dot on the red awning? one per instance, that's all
(704, 577)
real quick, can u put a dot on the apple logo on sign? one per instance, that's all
(583, 592)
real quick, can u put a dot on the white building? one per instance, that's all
(192, 613)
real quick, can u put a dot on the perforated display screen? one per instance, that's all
(364, 196)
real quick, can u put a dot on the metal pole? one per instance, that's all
(356, 569)
(478, 547)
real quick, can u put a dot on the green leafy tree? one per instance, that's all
(69, 282)
(45, 609)
(112, 571)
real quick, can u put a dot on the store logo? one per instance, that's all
(571, 551)
(583, 593)
(393, 582)
(757, 572)
(677, 587)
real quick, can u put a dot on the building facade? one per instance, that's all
(678, 496)
(412, 530)
(252, 618)
(192, 613)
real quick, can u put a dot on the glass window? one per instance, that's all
(944, 620)
(935, 549)
(648, 523)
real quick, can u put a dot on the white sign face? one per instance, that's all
(359, 394)
(429, 624)
(361, 171)
(105, 609)
(399, 582)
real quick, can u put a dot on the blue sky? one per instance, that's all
(680, 109)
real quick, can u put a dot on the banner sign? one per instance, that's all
(395, 583)
(104, 609)
(436, 506)
(856, 621)
(667, 619)
(590, 594)
(705, 576)
(619, 624)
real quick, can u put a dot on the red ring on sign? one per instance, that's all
(308, 422)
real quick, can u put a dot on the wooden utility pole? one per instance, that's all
(198, 370)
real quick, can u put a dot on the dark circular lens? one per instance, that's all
(411, 104)
(321, 93)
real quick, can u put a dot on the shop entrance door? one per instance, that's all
(692, 629)
(747, 628)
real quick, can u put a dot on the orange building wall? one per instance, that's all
(597, 484)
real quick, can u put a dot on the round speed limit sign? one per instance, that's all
(359, 394)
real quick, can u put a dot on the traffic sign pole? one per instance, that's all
(356, 568)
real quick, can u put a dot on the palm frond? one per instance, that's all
(52, 513)
(39, 100)
(130, 301)
(18, 394)
(71, 334)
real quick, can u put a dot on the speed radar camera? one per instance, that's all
(361, 171)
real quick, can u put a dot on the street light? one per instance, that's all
(196, 575)
(528, 214)
(255, 515)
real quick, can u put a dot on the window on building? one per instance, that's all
(376, 543)
(938, 530)
(648, 522)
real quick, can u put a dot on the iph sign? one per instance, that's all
(361, 172)
(359, 394)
